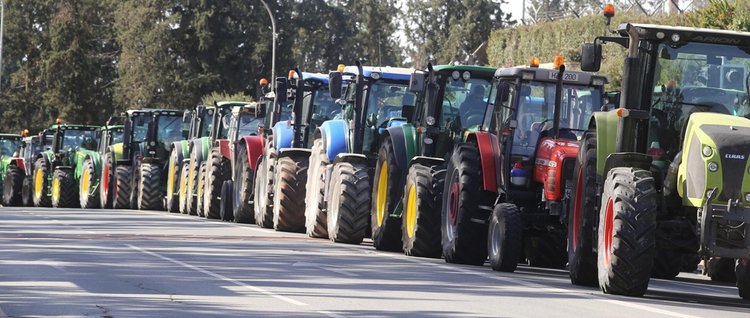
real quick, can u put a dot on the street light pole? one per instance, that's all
(273, 45)
(2, 23)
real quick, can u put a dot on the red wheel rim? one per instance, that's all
(455, 191)
(609, 225)
(576, 221)
(105, 180)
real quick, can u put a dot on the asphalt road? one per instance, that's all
(121, 263)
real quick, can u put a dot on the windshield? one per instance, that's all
(169, 129)
(79, 139)
(385, 100)
(207, 122)
(140, 126)
(116, 136)
(535, 112)
(223, 129)
(8, 147)
(323, 106)
(248, 124)
(464, 102)
(695, 77)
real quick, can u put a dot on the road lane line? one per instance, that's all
(2, 313)
(222, 277)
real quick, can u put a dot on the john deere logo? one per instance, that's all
(734, 156)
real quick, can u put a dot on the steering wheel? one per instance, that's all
(473, 118)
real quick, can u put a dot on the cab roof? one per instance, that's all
(386, 72)
(548, 75)
(474, 69)
(10, 136)
(687, 34)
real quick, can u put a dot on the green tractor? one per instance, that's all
(140, 178)
(11, 169)
(410, 169)
(57, 170)
(95, 186)
(185, 159)
(667, 173)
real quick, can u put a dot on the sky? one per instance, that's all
(515, 7)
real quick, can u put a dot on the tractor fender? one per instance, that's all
(350, 157)
(335, 134)
(223, 145)
(205, 148)
(294, 152)
(254, 147)
(606, 137)
(427, 161)
(199, 150)
(489, 158)
(627, 159)
(116, 150)
(96, 159)
(179, 148)
(283, 134)
(403, 139)
(18, 162)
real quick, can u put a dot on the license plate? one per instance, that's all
(567, 77)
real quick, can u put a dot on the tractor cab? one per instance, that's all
(9, 144)
(150, 133)
(68, 139)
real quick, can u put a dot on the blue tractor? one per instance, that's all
(345, 149)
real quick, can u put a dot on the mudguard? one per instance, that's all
(223, 145)
(335, 134)
(606, 135)
(489, 158)
(254, 147)
(549, 165)
(294, 152)
(283, 134)
(404, 142)
(96, 159)
(426, 161)
(116, 149)
(205, 143)
(18, 162)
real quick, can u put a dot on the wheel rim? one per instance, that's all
(38, 183)
(56, 189)
(170, 178)
(85, 182)
(411, 212)
(200, 188)
(183, 186)
(496, 233)
(453, 196)
(609, 224)
(577, 209)
(382, 192)
(105, 181)
(191, 177)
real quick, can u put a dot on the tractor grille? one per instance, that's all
(734, 149)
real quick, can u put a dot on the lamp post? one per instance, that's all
(273, 44)
(2, 20)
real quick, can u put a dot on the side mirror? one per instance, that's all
(281, 88)
(416, 81)
(335, 80)
(591, 57)
(407, 111)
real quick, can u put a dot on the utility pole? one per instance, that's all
(2, 23)
(272, 80)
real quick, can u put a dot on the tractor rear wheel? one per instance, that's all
(149, 192)
(217, 171)
(12, 186)
(183, 195)
(263, 186)
(199, 188)
(504, 237)
(463, 217)
(123, 176)
(27, 198)
(64, 189)
(88, 193)
(421, 220)
(107, 182)
(289, 194)
(627, 232)
(742, 272)
(721, 269)
(387, 190)
(41, 184)
(546, 250)
(349, 203)
(243, 190)
(316, 223)
(173, 181)
(581, 215)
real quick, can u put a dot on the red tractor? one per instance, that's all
(513, 207)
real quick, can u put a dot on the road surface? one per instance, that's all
(122, 263)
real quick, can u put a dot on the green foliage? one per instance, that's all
(224, 96)
(723, 14)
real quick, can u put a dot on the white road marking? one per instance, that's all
(2, 313)
(222, 277)
(324, 267)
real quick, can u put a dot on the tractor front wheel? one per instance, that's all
(41, 184)
(64, 189)
(183, 195)
(263, 185)
(27, 197)
(217, 172)
(504, 240)
(199, 189)
(173, 181)
(12, 186)
(107, 182)
(421, 220)
(316, 223)
(349, 203)
(742, 272)
(627, 232)
(88, 192)
(225, 209)
(721, 269)
(149, 192)
(289, 194)
(244, 210)
(122, 186)
(387, 190)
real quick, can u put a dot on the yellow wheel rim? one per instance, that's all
(55, 189)
(85, 182)
(411, 211)
(382, 192)
(191, 174)
(38, 183)
(170, 179)
(200, 188)
(183, 185)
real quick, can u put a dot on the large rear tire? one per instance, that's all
(581, 216)
(217, 171)
(199, 189)
(387, 190)
(627, 232)
(107, 182)
(263, 185)
(64, 189)
(505, 237)
(349, 203)
(12, 186)
(289, 194)
(316, 221)
(421, 220)
(26, 192)
(123, 176)
(41, 184)
(149, 193)
(242, 189)
(174, 171)
(88, 192)
(464, 216)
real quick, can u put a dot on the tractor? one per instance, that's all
(345, 149)
(185, 159)
(410, 168)
(140, 176)
(12, 168)
(285, 161)
(22, 164)
(245, 147)
(57, 170)
(667, 173)
(216, 169)
(91, 193)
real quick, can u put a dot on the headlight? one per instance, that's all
(707, 151)
(713, 166)
(466, 75)
(528, 76)
(747, 197)
(597, 81)
(153, 143)
(428, 141)
(456, 75)
(675, 37)
(430, 120)
(375, 75)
